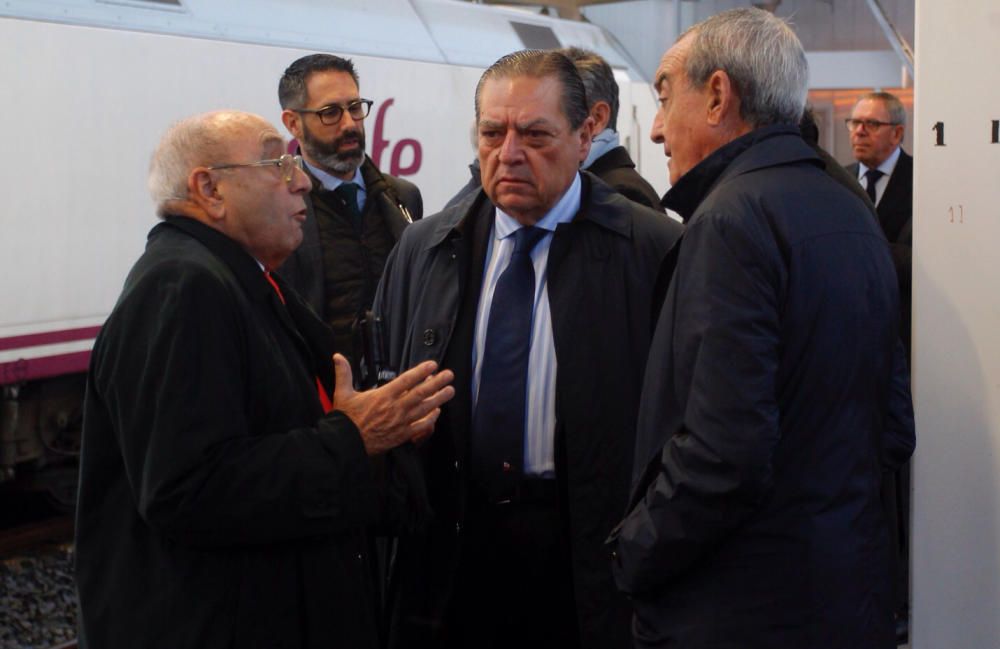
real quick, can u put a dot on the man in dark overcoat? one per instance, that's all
(775, 397)
(527, 475)
(223, 498)
(608, 159)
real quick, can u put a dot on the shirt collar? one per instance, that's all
(331, 182)
(601, 144)
(562, 212)
(886, 167)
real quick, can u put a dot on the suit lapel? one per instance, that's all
(470, 253)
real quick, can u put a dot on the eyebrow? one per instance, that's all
(660, 80)
(520, 128)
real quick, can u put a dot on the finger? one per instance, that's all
(410, 378)
(421, 409)
(344, 379)
(423, 428)
(429, 386)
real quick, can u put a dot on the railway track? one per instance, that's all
(37, 595)
(27, 537)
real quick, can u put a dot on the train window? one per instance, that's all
(536, 37)
(172, 5)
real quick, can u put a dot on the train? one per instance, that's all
(91, 85)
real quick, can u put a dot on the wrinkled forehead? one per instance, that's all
(522, 97)
(256, 139)
(671, 68)
(871, 108)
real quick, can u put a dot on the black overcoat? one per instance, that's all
(601, 270)
(218, 507)
(775, 399)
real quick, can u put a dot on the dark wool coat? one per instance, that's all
(391, 205)
(601, 270)
(218, 507)
(774, 399)
(895, 215)
(617, 169)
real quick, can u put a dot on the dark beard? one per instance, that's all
(326, 155)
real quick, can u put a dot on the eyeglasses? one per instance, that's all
(330, 115)
(869, 124)
(288, 163)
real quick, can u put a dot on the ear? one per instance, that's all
(897, 134)
(292, 122)
(722, 102)
(586, 137)
(601, 113)
(203, 191)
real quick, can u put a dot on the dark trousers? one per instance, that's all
(515, 585)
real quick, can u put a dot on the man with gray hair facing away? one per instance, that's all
(775, 394)
(608, 160)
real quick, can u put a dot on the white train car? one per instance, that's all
(90, 86)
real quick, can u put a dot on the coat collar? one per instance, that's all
(244, 267)
(765, 147)
(599, 204)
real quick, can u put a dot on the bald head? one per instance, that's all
(200, 141)
(229, 171)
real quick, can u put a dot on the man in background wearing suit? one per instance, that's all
(877, 125)
(608, 160)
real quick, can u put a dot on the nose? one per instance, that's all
(510, 150)
(300, 183)
(656, 133)
(346, 121)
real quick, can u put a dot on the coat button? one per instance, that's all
(429, 337)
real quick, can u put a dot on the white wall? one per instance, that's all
(956, 330)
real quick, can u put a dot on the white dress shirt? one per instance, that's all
(887, 167)
(540, 403)
(331, 182)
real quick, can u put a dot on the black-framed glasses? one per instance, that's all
(288, 163)
(333, 113)
(869, 124)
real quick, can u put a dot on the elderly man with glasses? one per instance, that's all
(225, 481)
(885, 170)
(355, 213)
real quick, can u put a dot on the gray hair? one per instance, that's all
(539, 64)
(763, 58)
(198, 141)
(897, 113)
(598, 79)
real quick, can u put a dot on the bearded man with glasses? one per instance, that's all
(355, 213)
(225, 481)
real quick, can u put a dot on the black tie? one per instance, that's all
(348, 192)
(872, 176)
(497, 441)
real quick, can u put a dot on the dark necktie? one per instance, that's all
(497, 441)
(872, 176)
(348, 192)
